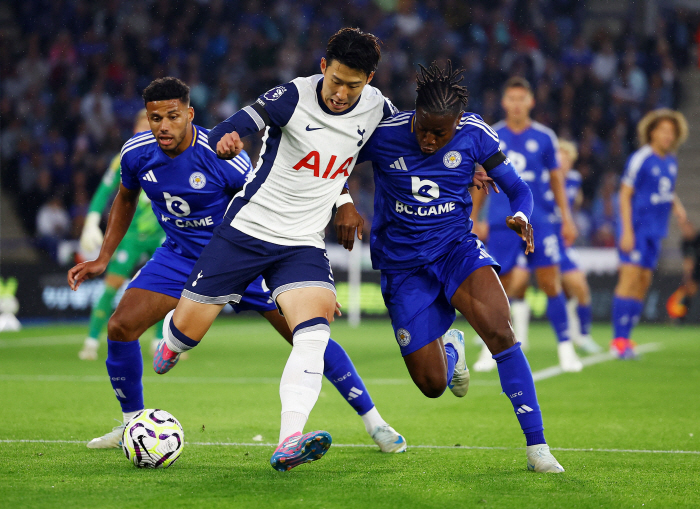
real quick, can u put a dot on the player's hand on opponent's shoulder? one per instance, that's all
(481, 180)
(524, 229)
(229, 146)
(348, 221)
(84, 271)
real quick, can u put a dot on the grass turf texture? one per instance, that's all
(228, 392)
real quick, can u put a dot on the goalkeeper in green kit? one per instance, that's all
(142, 238)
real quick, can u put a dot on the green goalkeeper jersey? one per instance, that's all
(145, 221)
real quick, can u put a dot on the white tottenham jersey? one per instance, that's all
(308, 153)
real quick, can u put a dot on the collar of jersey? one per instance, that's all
(325, 108)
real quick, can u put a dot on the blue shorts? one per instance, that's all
(507, 248)
(645, 254)
(547, 247)
(567, 264)
(167, 273)
(418, 299)
(233, 260)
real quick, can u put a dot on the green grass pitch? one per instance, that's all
(227, 392)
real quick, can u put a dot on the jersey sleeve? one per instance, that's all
(633, 169)
(129, 177)
(389, 109)
(488, 144)
(108, 186)
(274, 108)
(235, 171)
(367, 152)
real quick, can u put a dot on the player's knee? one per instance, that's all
(120, 329)
(432, 385)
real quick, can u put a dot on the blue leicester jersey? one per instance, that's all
(654, 181)
(572, 186)
(189, 193)
(533, 153)
(421, 202)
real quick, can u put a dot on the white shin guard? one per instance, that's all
(302, 377)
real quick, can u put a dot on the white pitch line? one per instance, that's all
(553, 371)
(371, 446)
(200, 380)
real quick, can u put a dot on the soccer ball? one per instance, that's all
(153, 439)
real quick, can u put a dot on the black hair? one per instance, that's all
(165, 89)
(354, 48)
(439, 91)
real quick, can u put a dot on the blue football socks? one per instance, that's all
(518, 385)
(125, 368)
(451, 361)
(625, 315)
(585, 317)
(556, 312)
(341, 372)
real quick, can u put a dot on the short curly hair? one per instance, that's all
(652, 119)
(165, 89)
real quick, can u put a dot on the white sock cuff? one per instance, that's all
(129, 415)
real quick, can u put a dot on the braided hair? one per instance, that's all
(439, 91)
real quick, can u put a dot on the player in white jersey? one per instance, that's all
(314, 129)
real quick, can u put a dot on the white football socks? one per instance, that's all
(372, 419)
(129, 415)
(574, 324)
(520, 313)
(302, 377)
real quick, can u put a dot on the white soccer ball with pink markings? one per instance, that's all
(153, 438)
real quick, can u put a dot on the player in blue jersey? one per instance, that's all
(532, 149)
(189, 188)
(647, 196)
(430, 261)
(573, 279)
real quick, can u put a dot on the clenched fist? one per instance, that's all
(229, 146)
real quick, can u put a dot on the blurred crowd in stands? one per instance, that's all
(73, 70)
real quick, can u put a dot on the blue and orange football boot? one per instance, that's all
(298, 449)
(164, 359)
(624, 349)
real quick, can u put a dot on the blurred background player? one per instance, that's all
(142, 238)
(532, 149)
(647, 197)
(573, 279)
(679, 302)
(430, 261)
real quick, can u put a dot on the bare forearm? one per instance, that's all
(626, 207)
(556, 182)
(120, 216)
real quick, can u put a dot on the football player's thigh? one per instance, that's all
(302, 304)
(138, 310)
(302, 285)
(194, 319)
(483, 302)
